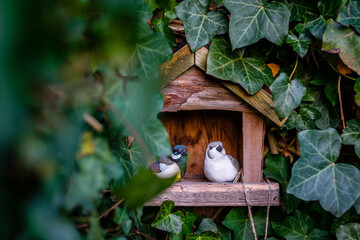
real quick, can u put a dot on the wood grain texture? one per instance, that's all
(181, 61)
(194, 90)
(253, 126)
(218, 194)
(261, 101)
(196, 129)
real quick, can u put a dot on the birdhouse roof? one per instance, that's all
(188, 87)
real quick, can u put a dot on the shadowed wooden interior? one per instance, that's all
(196, 129)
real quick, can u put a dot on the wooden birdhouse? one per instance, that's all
(200, 109)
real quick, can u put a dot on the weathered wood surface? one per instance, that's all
(196, 129)
(218, 194)
(262, 100)
(194, 90)
(253, 127)
(181, 61)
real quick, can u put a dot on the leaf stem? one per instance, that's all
(340, 103)
(296, 63)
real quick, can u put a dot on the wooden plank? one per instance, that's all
(253, 146)
(261, 101)
(194, 90)
(218, 194)
(181, 61)
(196, 129)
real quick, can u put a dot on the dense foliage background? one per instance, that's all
(79, 77)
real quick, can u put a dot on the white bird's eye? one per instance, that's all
(211, 148)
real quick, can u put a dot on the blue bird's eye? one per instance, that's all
(176, 153)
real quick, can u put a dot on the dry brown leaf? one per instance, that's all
(274, 68)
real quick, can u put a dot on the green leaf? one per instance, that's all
(122, 218)
(250, 73)
(143, 14)
(200, 24)
(348, 217)
(349, 231)
(315, 176)
(317, 27)
(239, 221)
(286, 95)
(278, 168)
(95, 232)
(357, 90)
(252, 20)
(167, 221)
(162, 25)
(188, 222)
(299, 122)
(133, 157)
(343, 41)
(299, 7)
(150, 52)
(351, 134)
(329, 115)
(330, 81)
(204, 236)
(350, 15)
(330, 9)
(141, 188)
(298, 227)
(357, 206)
(224, 233)
(299, 43)
(206, 225)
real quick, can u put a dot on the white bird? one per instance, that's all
(219, 167)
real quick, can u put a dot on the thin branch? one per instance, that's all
(286, 148)
(296, 63)
(217, 213)
(104, 214)
(142, 234)
(340, 102)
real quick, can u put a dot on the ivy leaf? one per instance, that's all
(239, 221)
(206, 225)
(357, 206)
(315, 176)
(252, 20)
(122, 218)
(330, 81)
(162, 25)
(141, 188)
(357, 90)
(351, 134)
(350, 15)
(203, 236)
(223, 63)
(345, 42)
(349, 231)
(304, 120)
(330, 9)
(188, 222)
(329, 115)
(224, 233)
(143, 14)
(298, 227)
(299, 43)
(167, 221)
(286, 95)
(348, 217)
(200, 24)
(317, 27)
(278, 168)
(150, 52)
(299, 7)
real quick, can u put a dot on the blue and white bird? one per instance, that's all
(219, 167)
(173, 165)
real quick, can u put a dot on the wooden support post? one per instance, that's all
(253, 146)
